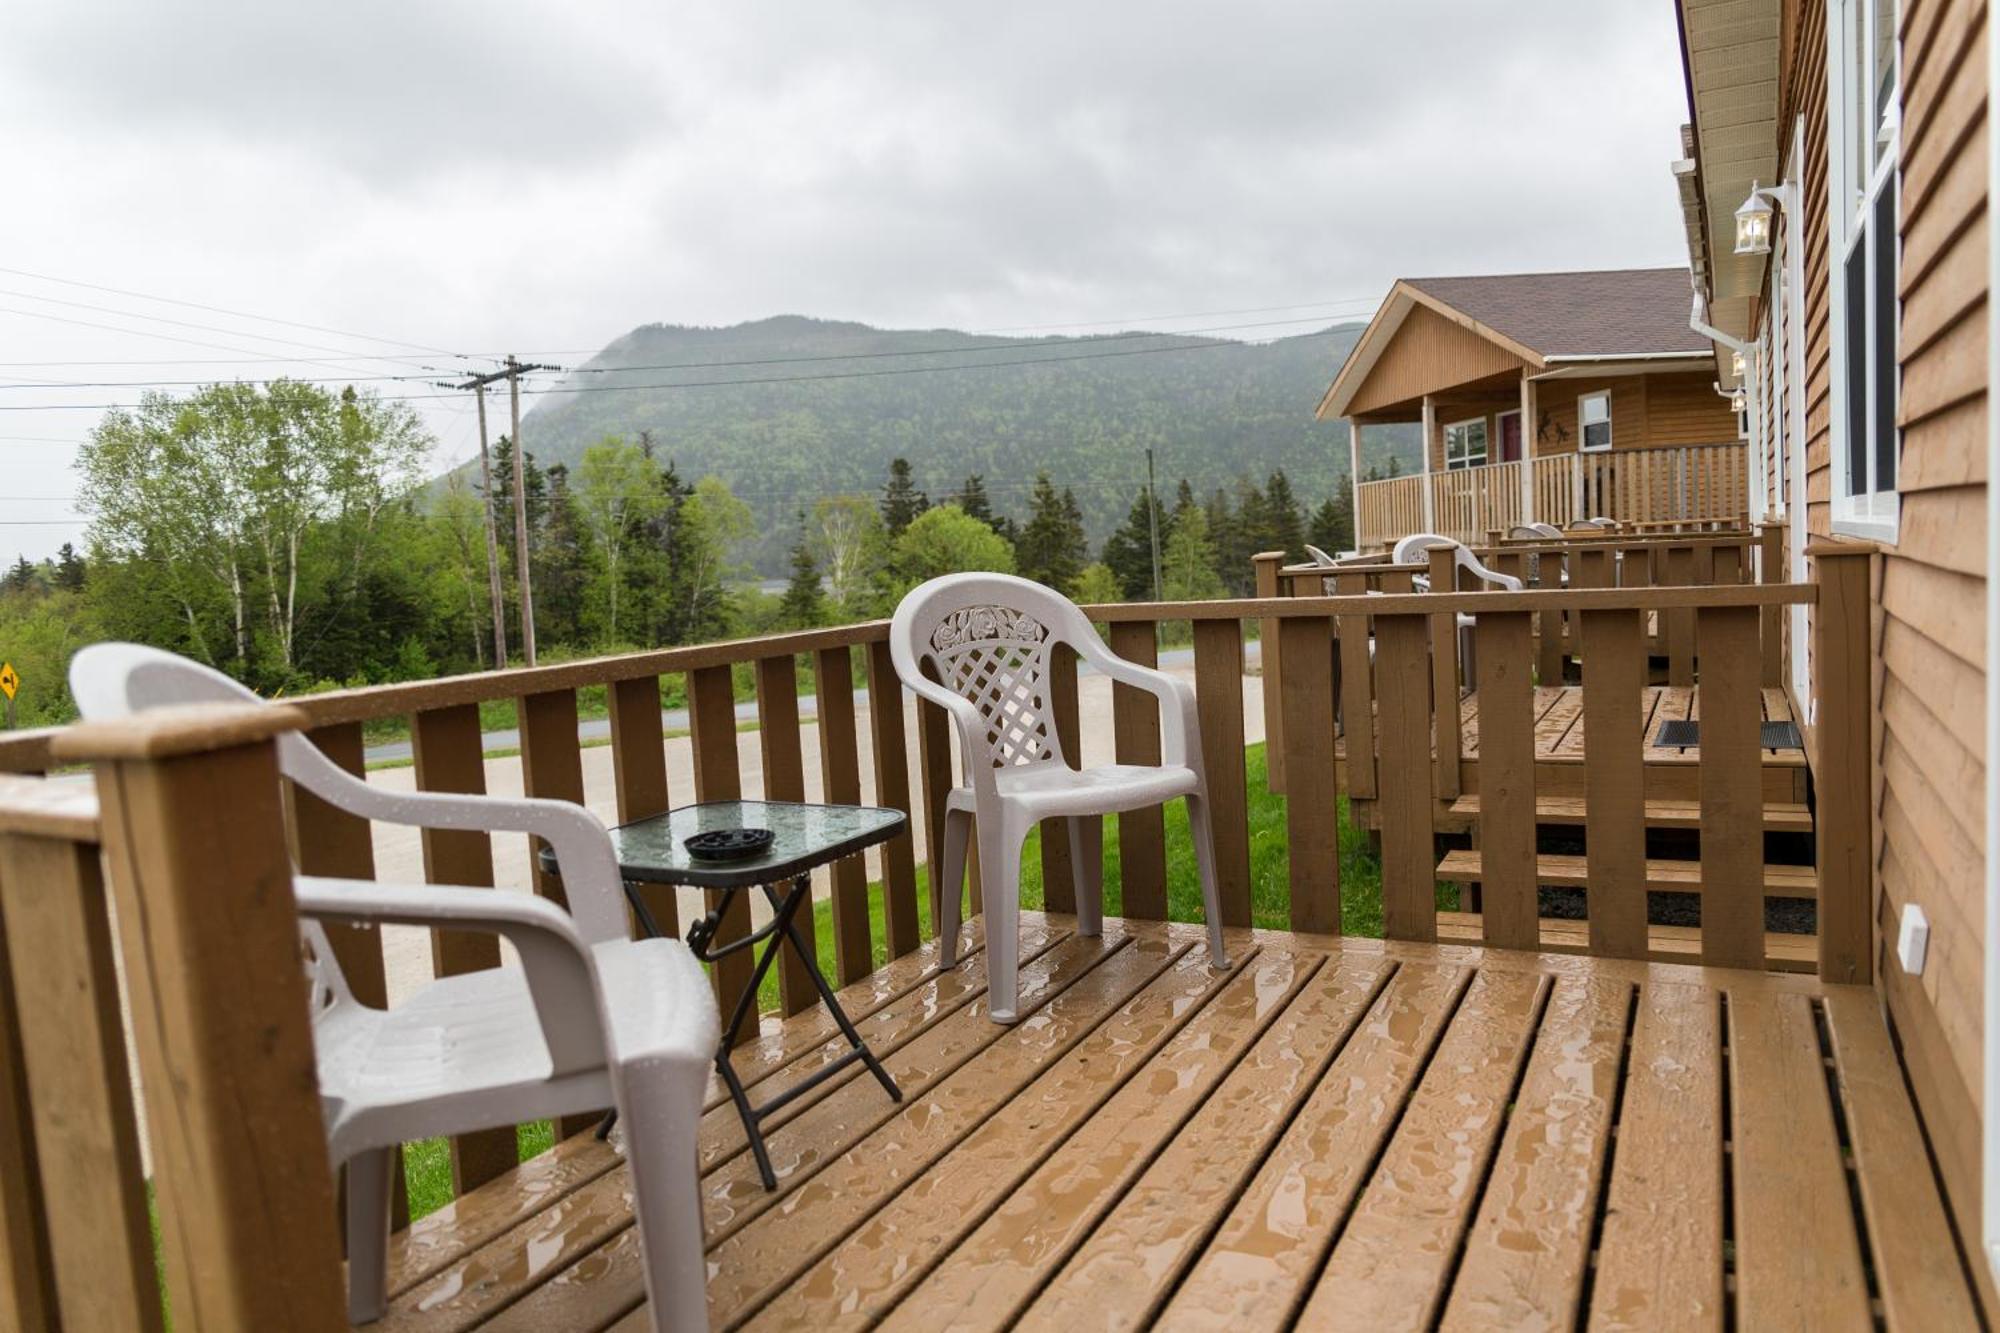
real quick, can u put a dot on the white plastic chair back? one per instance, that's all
(1534, 531)
(1319, 557)
(1408, 549)
(986, 638)
(112, 680)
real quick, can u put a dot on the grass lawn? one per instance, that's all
(429, 1163)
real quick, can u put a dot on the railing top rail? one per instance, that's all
(44, 808)
(1446, 603)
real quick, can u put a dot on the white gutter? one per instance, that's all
(1707, 330)
(1622, 356)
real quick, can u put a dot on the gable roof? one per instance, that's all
(1541, 317)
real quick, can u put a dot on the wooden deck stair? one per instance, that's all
(1779, 816)
(1562, 870)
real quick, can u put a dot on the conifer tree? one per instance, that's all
(1129, 551)
(1332, 525)
(1052, 548)
(804, 603)
(901, 500)
(1285, 526)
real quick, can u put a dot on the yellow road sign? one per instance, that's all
(9, 682)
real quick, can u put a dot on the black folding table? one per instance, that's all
(805, 837)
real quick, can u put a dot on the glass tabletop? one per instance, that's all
(804, 836)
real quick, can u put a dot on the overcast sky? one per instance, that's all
(482, 178)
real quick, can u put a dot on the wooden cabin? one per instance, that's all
(1542, 397)
(1488, 1117)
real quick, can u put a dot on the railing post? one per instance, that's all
(194, 834)
(1273, 667)
(1772, 568)
(1576, 498)
(1843, 760)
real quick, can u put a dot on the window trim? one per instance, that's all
(1485, 444)
(1582, 444)
(1874, 514)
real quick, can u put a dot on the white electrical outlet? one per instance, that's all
(1913, 939)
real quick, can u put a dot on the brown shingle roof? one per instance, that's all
(1609, 313)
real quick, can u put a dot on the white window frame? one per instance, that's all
(1791, 299)
(1485, 444)
(1582, 444)
(1870, 511)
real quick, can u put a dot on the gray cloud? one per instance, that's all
(545, 177)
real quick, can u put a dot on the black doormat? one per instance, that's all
(1679, 735)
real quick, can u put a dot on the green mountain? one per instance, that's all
(790, 409)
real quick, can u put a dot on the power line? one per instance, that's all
(220, 310)
(972, 349)
(746, 380)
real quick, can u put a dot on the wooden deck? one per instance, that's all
(1333, 1133)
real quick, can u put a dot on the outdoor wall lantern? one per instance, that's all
(1753, 220)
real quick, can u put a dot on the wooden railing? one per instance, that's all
(196, 837)
(1677, 483)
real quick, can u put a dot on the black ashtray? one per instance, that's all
(729, 844)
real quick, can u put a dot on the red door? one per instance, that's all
(1510, 437)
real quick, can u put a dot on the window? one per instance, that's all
(1864, 119)
(1465, 444)
(1593, 420)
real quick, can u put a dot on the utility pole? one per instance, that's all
(1153, 521)
(492, 538)
(511, 371)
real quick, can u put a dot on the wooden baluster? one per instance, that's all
(1678, 624)
(1357, 717)
(892, 789)
(552, 770)
(27, 1274)
(329, 841)
(1218, 682)
(840, 772)
(1726, 564)
(718, 777)
(1844, 760)
(1403, 718)
(1268, 563)
(449, 757)
(1549, 642)
(1312, 824)
(1445, 691)
(1058, 866)
(783, 753)
(1135, 722)
(86, 1135)
(1732, 801)
(194, 833)
(639, 776)
(1773, 568)
(1614, 723)
(1506, 781)
(934, 771)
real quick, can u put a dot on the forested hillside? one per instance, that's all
(789, 409)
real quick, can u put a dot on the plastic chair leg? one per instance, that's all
(370, 1180)
(1000, 873)
(664, 1104)
(951, 882)
(1204, 860)
(1086, 849)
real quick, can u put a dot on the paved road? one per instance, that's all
(676, 719)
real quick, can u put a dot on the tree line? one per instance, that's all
(286, 534)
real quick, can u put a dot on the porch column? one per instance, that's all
(1430, 437)
(1527, 448)
(1354, 474)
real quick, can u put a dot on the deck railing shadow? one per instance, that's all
(200, 840)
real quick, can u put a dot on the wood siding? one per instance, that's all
(1428, 353)
(1929, 686)
(1646, 410)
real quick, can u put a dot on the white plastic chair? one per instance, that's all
(986, 639)
(589, 1019)
(1534, 532)
(1408, 551)
(1319, 557)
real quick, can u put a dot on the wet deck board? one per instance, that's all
(1422, 1134)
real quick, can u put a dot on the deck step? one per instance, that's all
(1563, 870)
(1779, 816)
(1664, 944)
